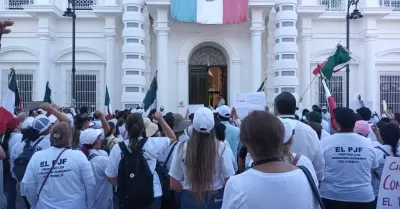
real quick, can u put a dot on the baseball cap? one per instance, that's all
(314, 116)
(89, 136)
(324, 108)
(203, 120)
(14, 122)
(224, 111)
(361, 127)
(289, 125)
(41, 124)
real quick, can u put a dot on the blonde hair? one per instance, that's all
(200, 159)
(60, 135)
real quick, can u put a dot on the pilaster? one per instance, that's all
(110, 36)
(257, 29)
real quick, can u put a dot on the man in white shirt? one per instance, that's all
(349, 160)
(305, 140)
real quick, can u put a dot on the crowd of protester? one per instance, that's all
(62, 158)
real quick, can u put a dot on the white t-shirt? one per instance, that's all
(224, 168)
(18, 148)
(306, 142)
(152, 149)
(324, 134)
(103, 198)
(349, 160)
(163, 157)
(325, 125)
(303, 161)
(256, 190)
(378, 171)
(70, 186)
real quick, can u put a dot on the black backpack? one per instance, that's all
(168, 197)
(135, 180)
(21, 162)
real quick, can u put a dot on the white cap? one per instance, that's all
(224, 111)
(89, 136)
(27, 122)
(324, 108)
(52, 118)
(289, 125)
(95, 124)
(203, 120)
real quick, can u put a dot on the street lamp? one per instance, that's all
(71, 13)
(356, 14)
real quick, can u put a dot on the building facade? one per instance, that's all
(123, 44)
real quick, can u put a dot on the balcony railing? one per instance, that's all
(393, 4)
(79, 4)
(333, 5)
(18, 4)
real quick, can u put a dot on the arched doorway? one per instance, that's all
(207, 76)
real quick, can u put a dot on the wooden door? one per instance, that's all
(198, 85)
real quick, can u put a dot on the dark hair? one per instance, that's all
(222, 118)
(386, 120)
(317, 128)
(151, 113)
(262, 133)
(112, 126)
(135, 128)
(314, 107)
(60, 135)
(191, 116)
(6, 139)
(390, 135)
(85, 149)
(296, 117)
(220, 131)
(397, 117)
(285, 103)
(365, 113)
(305, 111)
(357, 117)
(317, 109)
(345, 118)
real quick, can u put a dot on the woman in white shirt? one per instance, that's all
(202, 164)
(390, 134)
(91, 142)
(71, 184)
(153, 147)
(270, 181)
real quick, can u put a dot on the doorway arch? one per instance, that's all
(208, 75)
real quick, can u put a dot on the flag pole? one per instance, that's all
(308, 87)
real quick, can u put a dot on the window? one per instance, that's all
(337, 88)
(333, 5)
(142, 26)
(132, 9)
(288, 39)
(131, 89)
(131, 106)
(277, 40)
(393, 4)
(389, 90)
(288, 8)
(287, 24)
(277, 9)
(276, 73)
(288, 73)
(84, 4)
(289, 89)
(25, 84)
(142, 42)
(277, 57)
(277, 25)
(141, 9)
(288, 56)
(87, 92)
(131, 72)
(132, 56)
(18, 4)
(132, 25)
(132, 40)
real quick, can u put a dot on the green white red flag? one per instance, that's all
(336, 62)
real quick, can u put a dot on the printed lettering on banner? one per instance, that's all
(247, 102)
(58, 171)
(389, 188)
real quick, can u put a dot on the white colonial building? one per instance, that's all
(123, 43)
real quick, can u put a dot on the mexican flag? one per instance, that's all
(11, 101)
(107, 102)
(340, 58)
(150, 99)
(262, 86)
(331, 102)
(47, 94)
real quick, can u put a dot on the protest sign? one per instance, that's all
(247, 102)
(389, 188)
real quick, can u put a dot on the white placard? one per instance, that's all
(194, 107)
(389, 188)
(247, 102)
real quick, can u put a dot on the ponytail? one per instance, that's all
(75, 138)
(6, 139)
(85, 150)
(135, 128)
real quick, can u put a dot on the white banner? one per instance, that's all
(389, 188)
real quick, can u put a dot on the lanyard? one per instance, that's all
(270, 160)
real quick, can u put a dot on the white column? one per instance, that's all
(257, 28)
(43, 74)
(305, 72)
(183, 86)
(234, 81)
(161, 28)
(110, 35)
(371, 76)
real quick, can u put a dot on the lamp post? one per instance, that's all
(71, 13)
(356, 14)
